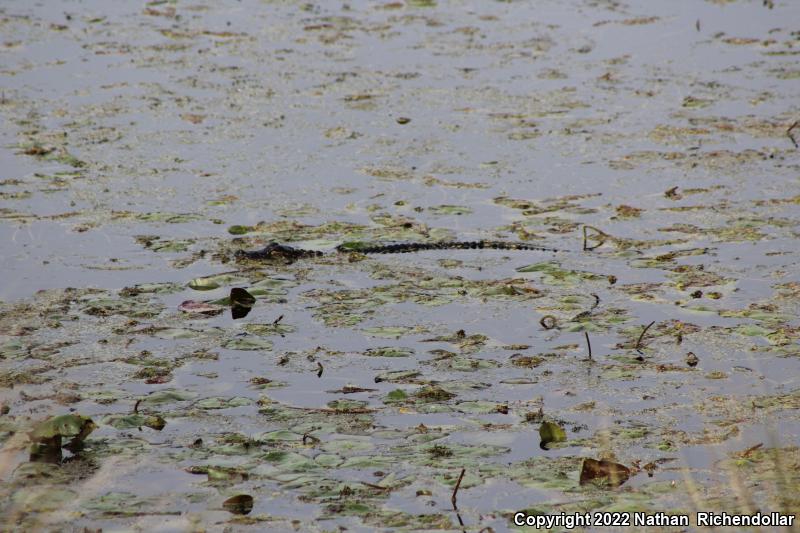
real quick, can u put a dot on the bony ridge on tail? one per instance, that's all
(281, 252)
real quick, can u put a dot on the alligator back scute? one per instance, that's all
(280, 252)
(276, 252)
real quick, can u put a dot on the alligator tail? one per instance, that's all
(447, 245)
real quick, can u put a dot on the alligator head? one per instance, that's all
(275, 252)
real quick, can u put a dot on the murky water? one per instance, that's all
(143, 143)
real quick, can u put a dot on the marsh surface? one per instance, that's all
(143, 143)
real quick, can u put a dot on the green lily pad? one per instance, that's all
(553, 274)
(203, 284)
(480, 407)
(347, 446)
(247, 343)
(389, 351)
(280, 435)
(395, 396)
(240, 230)
(348, 405)
(176, 333)
(72, 426)
(135, 421)
(42, 499)
(398, 376)
(219, 402)
(387, 332)
(551, 432)
(289, 461)
(450, 210)
(167, 396)
(266, 330)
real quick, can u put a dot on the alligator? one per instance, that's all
(275, 252)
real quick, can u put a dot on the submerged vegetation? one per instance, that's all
(148, 379)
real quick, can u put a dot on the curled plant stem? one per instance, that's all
(790, 135)
(548, 322)
(639, 340)
(601, 240)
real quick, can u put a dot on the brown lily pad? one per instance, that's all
(239, 504)
(606, 472)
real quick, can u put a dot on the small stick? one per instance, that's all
(596, 300)
(319, 369)
(639, 341)
(376, 487)
(277, 320)
(751, 449)
(136, 406)
(789, 133)
(588, 343)
(455, 490)
(461, 522)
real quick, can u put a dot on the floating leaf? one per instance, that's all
(240, 230)
(607, 472)
(279, 435)
(247, 343)
(239, 311)
(348, 405)
(395, 396)
(398, 376)
(450, 210)
(72, 426)
(117, 503)
(239, 504)
(266, 330)
(553, 274)
(176, 333)
(289, 461)
(241, 297)
(167, 396)
(387, 332)
(481, 407)
(389, 351)
(135, 421)
(203, 284)
(348, 446)
(225, 475)
(222, 403)
(193, 306)
(433, 393)
(551, 432)
(42, 499)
